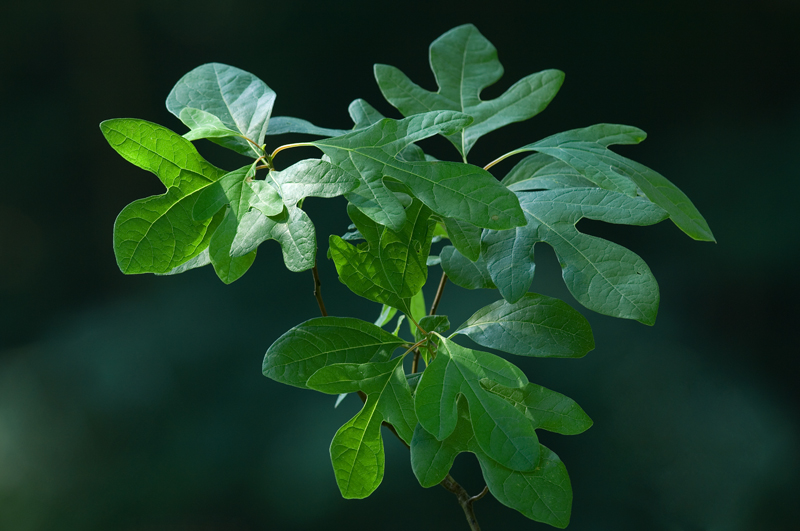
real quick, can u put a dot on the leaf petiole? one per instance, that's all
(287, 146)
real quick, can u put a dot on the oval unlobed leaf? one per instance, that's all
(158, 233)
(322, 341)
(536, 325)
(464, 272)
(240, 100)
(279, 125)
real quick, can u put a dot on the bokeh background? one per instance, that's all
(137, 403)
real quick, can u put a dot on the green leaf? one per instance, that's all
(502, 431)
(536, 325)
(543, 172)
(434, 323)
(390, 267)
(601, 275)
(543, 494)
(464, 272)
(311, 345)
(279, 125)
(312, 178)
(233, 190)
(227, 267)
(363, 114)
(204, 125)
(201, 260)
(241, 101)
(586, 151)
(292, 229)
(158, 234)
(387, 312)
(265, 198)
(465, 237)
(547, 409)
(450, 189)
(464, 63)
(357, 448)
(417, 307)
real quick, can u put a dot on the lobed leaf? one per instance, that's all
(357, 448)
(465, 237)
(547, 409)
(450, 189)
(585, 150)
(292, 229)
(312, 178)
(536, 325)
(390, 267)
(543, 494)
(157, 234)
(501, 431)
(464, 63)
(601, 275)
(322, 341)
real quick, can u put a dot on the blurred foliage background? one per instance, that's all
(137, 403)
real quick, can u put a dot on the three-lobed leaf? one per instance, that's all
(601, 275)
(451, 189)
(502, 431)
(464, 63)
(586, 151)
(543, 494)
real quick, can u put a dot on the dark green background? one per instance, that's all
(137, 403)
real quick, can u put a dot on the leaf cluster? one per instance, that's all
(401, 201)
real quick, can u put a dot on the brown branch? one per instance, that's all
(317, 292)
(464, 500)
(438, 296)
(415, 363)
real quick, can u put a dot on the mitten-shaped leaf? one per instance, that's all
(546, 409)
(390, 267)
(240, 100)
(309, 346)
(543, 494)
(450, 189)
(158, 234)
(357, 448)
(536, 325)
(502, 431)
(464, 63)
(601, 275)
